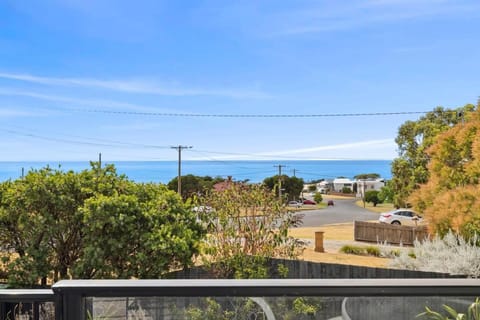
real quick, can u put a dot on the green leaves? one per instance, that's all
(473, 313)
(94, 223)
(247, 225)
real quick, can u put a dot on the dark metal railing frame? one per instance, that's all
(68, 295)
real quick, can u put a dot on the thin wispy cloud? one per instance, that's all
(320, 152)
(345, 146)
(11, 112)
(70, 103)
(344, 15)
(133, 86)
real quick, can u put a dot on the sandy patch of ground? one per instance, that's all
(335, 236)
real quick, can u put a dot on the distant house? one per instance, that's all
(364, 185)
(324, 186)
(340, 183)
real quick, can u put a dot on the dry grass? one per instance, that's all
(341, 258)
(341, 231)
(335, 233)
(381, 207)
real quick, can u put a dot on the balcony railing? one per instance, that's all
(238, 299)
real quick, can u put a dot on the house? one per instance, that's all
(340, 183)
(324, 186)
(364, 185)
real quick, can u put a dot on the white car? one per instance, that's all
(398, 217)
(296, 204)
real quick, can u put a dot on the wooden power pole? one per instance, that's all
(179, 148)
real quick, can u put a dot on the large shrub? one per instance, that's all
(92, 224)
(248, 224)
(451, 254)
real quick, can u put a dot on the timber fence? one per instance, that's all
(386, 233)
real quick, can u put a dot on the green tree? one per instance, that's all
(450, 198)
(409, 170)
(291, 186)
(248, 224)
(386, 193)
(93, 224)
(312, 188)
(193, 185)
(372, 197)
(318, 197)
(365, 176)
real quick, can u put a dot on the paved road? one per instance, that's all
(342, 211)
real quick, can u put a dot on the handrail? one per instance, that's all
(271, 287)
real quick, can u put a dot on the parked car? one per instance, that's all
(296, 204)
(330, 203)
(405, 217)
(306, 201)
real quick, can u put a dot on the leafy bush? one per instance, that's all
(346, 190)
(349, 249)
(318, 197)
(373, 251)
(247, 226)
(372, 197)
(473, 313)
(450, 254)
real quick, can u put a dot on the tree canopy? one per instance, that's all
(193, 185)
(372, 197)
(291, 186)
(450, 199)
(93, 224)
(409, 170)
(365, 176)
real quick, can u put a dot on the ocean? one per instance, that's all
(253, 171)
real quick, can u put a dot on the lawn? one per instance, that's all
(335, 236)
(381, 207)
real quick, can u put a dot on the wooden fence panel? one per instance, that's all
(381, 233)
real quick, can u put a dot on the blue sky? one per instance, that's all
(80, 77)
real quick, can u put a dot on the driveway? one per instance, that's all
(344, 210)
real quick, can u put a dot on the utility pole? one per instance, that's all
(179, 148)
(294, 171)
(280, 166)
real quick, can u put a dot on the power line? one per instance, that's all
(215, 115)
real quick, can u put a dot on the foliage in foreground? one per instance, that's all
(451, 197)
(246, 226)
(473, 313)
(413, 139)
(451, 254)
(92, 224)
(253, 308)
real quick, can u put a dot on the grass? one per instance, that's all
(361, 251)
(335, 232)
(381, 207)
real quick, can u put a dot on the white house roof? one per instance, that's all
(342, 180)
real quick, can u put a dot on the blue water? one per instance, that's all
(254, 171)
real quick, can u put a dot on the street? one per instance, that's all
(343, 211)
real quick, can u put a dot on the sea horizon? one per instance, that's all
(162, 171)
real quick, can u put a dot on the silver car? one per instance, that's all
(404, 217)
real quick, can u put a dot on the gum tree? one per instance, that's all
(409, 170)
(451, 197)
